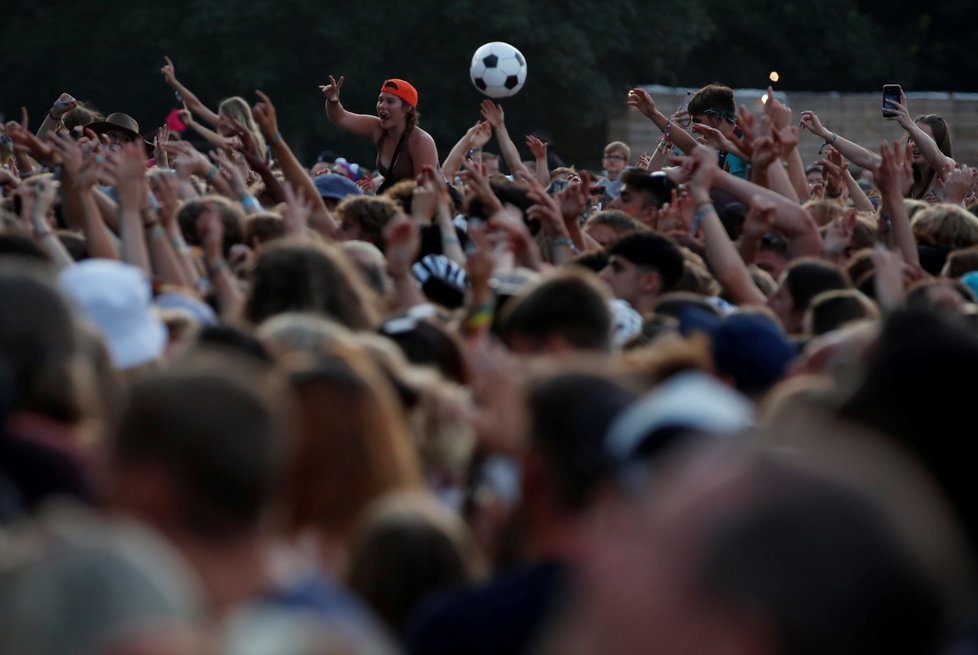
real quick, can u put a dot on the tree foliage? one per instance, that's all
(582, 56)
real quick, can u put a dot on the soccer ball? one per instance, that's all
(498, 69)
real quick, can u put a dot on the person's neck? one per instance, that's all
(232, 571)
(612, 175)
(396, 131)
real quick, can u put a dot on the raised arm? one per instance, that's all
(892, 176)
(792, 219)
(295, 173)
(358, 124)
(539, 149)
(186, 96)
(474, 138)
(641, 100)
(52, 119)
(495, 116)
(208, 134)
(721, 253)
(854, 152)
(924, 142)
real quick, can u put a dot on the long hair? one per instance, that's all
(237, 108)
(923, 174)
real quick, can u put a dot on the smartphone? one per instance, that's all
(890, 92)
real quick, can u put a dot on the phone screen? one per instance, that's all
(890, 92)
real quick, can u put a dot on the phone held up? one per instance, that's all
(891, 93)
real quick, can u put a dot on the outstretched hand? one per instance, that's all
(331, 91)
(641, 100)
(493, 114)
(62, 106)
(265, 115)
(169, 73)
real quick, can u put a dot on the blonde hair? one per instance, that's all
(237, 108)
(945, 225)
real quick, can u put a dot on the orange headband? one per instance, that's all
(402, 90)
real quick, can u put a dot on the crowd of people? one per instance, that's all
(712, 398)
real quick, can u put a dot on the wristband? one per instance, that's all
(211, 174)
(250, 203)
(566, 242)
(275, 139)
(702, 210)
(333, 101)
(217, 267)
(55, 118)
(156, 232)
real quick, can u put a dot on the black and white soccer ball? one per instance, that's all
(498, 69)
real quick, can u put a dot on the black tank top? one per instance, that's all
(401, 168)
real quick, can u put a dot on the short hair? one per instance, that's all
(371, 213)
(807, 277)
(295, 276)
(570, 413)
(615, 219)
(571, 303)
(263, 228)
(406, 547)
(232, 218)
(652, 250)
(619, 147)
(217, 436)
(715, 99)
(832, 310)
(945, 226)
(39, 343)
(656, 188)
(402, 193)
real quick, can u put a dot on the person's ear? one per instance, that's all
(650, 283)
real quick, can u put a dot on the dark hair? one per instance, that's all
(232, 218)
(427, 343)
(38, 343)
(824, 564)
(656, 188)
(570, 415)
(942, 137)
(263, 228)
(654, 251)
(714, 99)
(218, 439)
(370, 213)
(571, 303)
(833, 309)
(407, 547)
(293, 276)
(807, 277)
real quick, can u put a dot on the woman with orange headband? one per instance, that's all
(403, 148)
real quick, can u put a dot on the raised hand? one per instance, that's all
(764, 153)
(644, 161)
(479, 134)
(959, 184)
(704, 168)
(210, 229)
(711, 136)
(62, 106)
(641, 100)
(834, 167)
(297, 211)
(402, 240)
(810, 122)
(231, 172)
(166, 187)
(493, 114)
(537, 147)
(127, 170)
(265, 115)
(169, 74)
(246, 145)
(780, 114)
(839, 234)
(68, 154)
(331, 91)
(760, 218)
(894, 173)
